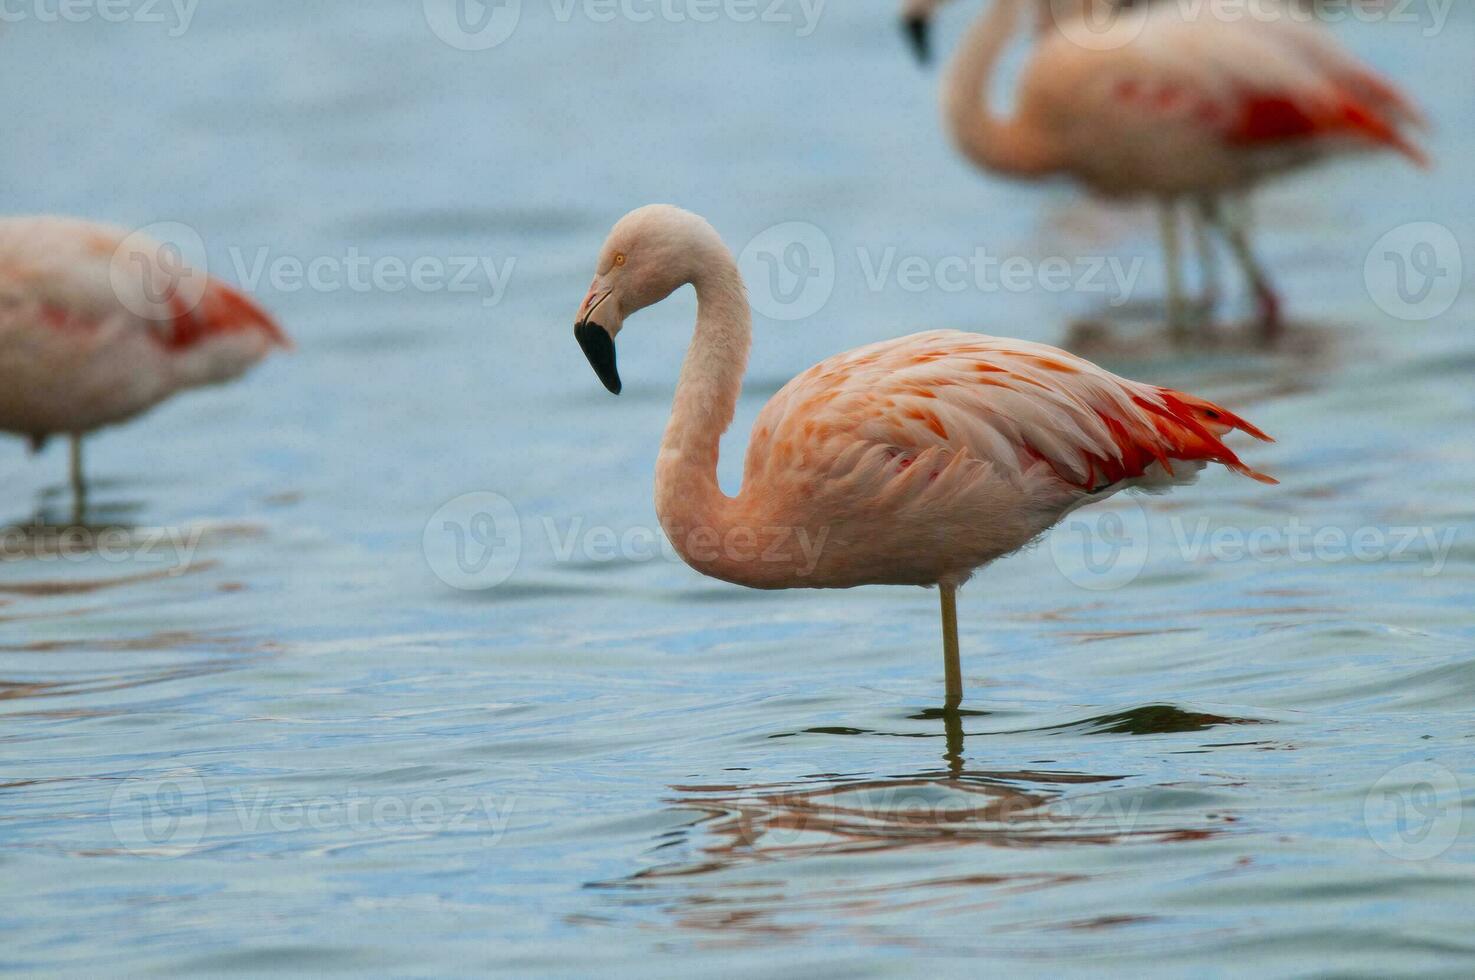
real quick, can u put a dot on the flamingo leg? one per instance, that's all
(1168, 221)
(1208, 259)
(1267, 299)
(1240, 211)
(79, 485)
(952, 666)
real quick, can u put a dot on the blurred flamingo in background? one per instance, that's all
(1179, 107)
(912, 461)
(97, 326)
(917, 25)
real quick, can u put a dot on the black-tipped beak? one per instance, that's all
(916, 28)
(599, 347)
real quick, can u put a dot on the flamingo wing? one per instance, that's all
(1250, 85)
(926, 409)
(61, 273)
(1312, 42)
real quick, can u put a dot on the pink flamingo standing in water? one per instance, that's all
(912, 461)
(1154, 103)
(97, 326)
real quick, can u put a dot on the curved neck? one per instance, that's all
(1004, 145)
(687, 493)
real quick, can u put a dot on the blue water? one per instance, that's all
(261, 732)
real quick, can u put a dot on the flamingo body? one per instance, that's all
(74, 356)
(917, 460)
(1189, 106)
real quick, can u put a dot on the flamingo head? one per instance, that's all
(649, 254)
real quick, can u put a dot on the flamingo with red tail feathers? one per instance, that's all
(913, 461)
(1153, 101)
(97, 326)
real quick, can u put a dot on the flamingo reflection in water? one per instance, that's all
(773, 831)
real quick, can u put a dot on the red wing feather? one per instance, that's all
(1269, 119)
(223, 309)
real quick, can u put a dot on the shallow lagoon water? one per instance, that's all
(284, 742)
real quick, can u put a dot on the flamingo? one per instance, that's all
(1178, 107)
(916, 25)
(97, 326)
(913, 461)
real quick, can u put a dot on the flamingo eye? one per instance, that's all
(619, 258)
